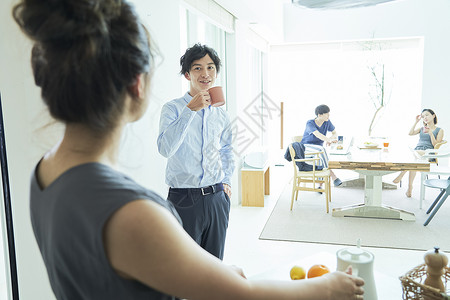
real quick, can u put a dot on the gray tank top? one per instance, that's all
(68, 219)
(425, 140)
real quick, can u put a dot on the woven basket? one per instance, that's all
(414, 289)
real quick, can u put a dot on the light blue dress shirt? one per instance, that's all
(197, 144)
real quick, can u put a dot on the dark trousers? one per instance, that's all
(205, 217)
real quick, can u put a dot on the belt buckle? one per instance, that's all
(204, 193)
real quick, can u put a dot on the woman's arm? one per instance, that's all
(439, 137)
(413, 130)
(144, 241)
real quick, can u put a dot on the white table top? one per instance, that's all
(388, 287)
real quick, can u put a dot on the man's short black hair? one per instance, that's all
(322, 109)
(197, 52)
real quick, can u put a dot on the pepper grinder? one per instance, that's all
(436, 262)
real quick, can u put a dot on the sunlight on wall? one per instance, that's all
(337, 74)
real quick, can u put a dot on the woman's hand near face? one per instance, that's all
(413, 130)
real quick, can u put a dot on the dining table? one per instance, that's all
(373, 161)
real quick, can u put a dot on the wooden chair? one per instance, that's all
(432, 159)
(297, 138)
(313, 177)
(437, 146)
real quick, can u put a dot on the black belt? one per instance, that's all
(207, 190)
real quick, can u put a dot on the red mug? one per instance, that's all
(217, 97)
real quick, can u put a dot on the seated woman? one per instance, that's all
(429, 136)
(316, 134)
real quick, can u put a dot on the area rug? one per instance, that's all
(308, 221)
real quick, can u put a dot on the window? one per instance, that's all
(338, 74)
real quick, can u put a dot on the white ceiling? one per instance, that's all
(264, 16)
(337, 4)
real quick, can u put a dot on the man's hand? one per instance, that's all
(199, 101)
(227, 190)
(331, 140)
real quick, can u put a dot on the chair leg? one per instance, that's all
(327, 193)
(329, 189)
(435, 201)
(292, 198)
(437, 208)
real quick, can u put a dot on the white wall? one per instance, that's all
(21, 105)
(24, 116)
(407, 18)
(140, 156)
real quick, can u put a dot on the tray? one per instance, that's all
(369, 145)
(413, 287)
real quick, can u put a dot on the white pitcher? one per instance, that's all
(362, 265)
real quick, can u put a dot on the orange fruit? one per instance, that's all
(297, 273)
(317, 270)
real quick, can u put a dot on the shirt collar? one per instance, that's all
(187, 98)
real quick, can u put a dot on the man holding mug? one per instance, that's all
(196, 137)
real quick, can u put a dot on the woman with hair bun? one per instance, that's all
(102, 235)
(429, 136)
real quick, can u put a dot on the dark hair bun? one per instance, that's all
(87, 52)
(61, 23)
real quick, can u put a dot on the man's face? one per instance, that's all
(202, 74)
(325, 117)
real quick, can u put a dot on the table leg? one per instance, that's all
(360, 182)
(373, 207)
(372, 190)
(423, 175)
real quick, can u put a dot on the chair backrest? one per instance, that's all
(313, 160)
(297, 138)
(437, 146)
